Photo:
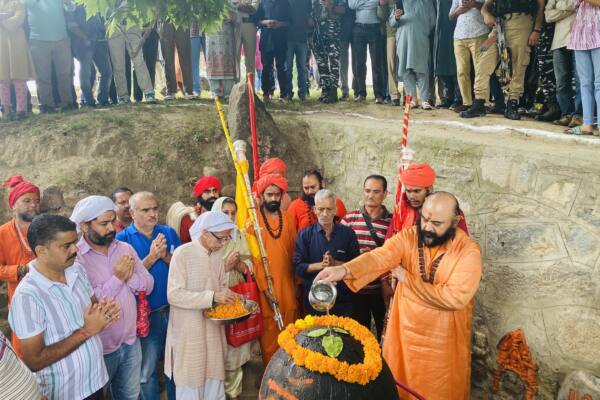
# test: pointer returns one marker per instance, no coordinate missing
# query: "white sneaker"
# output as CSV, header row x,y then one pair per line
x,y
426,106
191,97
169,97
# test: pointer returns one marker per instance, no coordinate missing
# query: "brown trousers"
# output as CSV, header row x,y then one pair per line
x,y
517,27
464,51
170,37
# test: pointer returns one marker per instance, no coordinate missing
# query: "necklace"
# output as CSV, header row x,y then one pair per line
x,y
311,218
25,249
279,231
434,265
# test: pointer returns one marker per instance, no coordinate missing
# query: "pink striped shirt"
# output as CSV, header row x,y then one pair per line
x,y
585,33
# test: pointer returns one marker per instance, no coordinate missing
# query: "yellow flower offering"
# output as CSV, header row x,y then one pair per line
x,y
361,373
228,311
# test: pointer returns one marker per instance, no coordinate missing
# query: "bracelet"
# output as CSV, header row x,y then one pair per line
x,y
537,30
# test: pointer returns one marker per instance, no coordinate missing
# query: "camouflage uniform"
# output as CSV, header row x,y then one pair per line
x,y
545,65
328,29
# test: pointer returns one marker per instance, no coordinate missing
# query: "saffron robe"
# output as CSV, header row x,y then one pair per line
x,y
12,254
280,253
428,339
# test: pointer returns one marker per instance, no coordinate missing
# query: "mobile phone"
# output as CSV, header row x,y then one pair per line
x,y
400,5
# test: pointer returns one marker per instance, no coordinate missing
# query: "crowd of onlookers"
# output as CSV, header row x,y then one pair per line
x,y
441,52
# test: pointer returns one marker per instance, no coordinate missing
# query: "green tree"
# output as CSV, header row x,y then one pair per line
x,y
208,13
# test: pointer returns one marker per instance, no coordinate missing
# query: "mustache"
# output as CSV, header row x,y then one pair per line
x,y
72,257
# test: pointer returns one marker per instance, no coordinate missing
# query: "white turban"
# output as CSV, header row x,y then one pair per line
x,y
211,221
90,208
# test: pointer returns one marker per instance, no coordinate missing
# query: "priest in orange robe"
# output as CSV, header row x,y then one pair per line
x,y
15,253
302,209
428,340
276,166
279,237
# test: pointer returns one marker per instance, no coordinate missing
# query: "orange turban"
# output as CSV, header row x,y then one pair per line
x,y
267,180
272,166
418,175
205,183
18,187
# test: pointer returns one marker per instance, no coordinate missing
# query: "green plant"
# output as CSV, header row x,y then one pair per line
x,y
208,13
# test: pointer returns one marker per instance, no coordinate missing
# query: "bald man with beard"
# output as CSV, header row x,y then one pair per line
x,y
428,340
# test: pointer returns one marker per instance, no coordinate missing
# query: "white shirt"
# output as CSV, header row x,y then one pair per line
x,y
470,24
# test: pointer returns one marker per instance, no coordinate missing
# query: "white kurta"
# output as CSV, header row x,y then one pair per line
x,y
196,347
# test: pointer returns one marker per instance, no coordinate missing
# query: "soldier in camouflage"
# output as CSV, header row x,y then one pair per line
x,y
326,39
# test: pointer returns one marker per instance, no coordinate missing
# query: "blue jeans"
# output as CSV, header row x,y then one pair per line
x,y
588,69
258,80
97,54
198,44
300,50
153,347
124,366
564,71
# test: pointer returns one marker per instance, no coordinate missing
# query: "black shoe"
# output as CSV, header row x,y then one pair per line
x,y
323,95
445,104
396,102
345,96
459,108
512,110
553,113
332,96
498,108
476,110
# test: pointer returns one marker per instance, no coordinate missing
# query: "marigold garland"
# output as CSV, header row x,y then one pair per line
x,y
361,373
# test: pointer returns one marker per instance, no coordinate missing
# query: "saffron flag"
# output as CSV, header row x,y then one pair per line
x,y
243,213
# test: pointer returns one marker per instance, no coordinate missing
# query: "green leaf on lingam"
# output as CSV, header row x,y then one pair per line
x,y
340,330
333,345
317,333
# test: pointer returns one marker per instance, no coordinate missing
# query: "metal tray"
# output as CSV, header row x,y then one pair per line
x,y
250,305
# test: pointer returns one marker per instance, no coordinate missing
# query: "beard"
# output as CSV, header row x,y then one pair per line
x,y
207,203
273,206
28,216
309,199
431,239
100,240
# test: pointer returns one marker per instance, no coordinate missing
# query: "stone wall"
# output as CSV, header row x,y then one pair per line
x,y
533,205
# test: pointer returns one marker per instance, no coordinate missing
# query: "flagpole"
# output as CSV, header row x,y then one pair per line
x,y
250,205
406,156
252,107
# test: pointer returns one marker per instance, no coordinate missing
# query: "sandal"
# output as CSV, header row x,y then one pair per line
x,y
576,130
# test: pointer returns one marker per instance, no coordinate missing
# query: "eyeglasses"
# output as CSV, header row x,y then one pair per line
x,y
223,239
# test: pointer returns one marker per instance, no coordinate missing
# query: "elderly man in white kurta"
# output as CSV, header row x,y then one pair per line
x,y
196,347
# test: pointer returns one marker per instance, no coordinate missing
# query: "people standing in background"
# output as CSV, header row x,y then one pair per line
x,y
366,33
222,59
562,14
16,66
50,47
176,38
444,62
415,24
274,17
585,40
90,48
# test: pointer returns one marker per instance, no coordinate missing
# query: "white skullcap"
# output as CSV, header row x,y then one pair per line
x,y
211,221
90,208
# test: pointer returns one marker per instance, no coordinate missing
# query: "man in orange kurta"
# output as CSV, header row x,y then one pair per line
x,y
15,253
428,340
301,209
279,237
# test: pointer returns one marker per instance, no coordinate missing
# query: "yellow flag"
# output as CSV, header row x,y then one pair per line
x,y
243,214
